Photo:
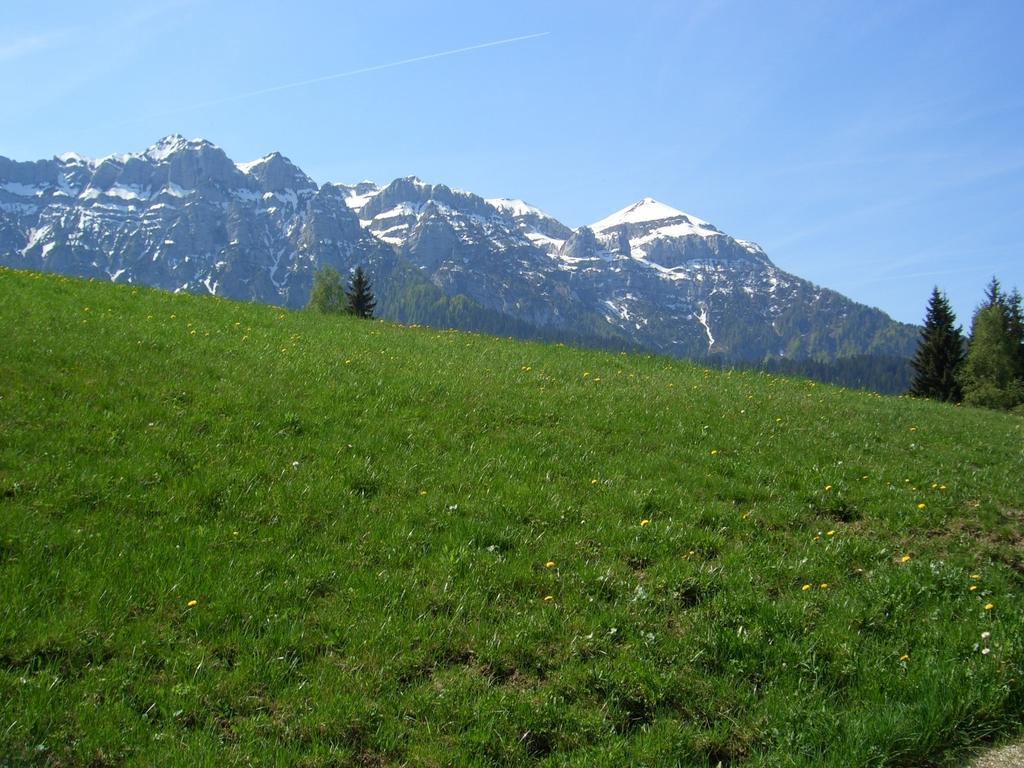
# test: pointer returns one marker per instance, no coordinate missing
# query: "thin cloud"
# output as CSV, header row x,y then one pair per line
x,y
16,49
349,73
983,269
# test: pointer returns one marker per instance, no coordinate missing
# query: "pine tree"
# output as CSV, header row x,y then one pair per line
x,y
360,297
940,353
990,376
327,295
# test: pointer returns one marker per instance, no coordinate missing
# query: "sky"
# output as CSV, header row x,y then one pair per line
x,y
874,148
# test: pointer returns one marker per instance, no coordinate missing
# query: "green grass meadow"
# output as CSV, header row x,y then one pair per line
x,y
234,535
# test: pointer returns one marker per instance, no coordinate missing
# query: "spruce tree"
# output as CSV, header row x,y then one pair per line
x,y
327,295
940,353
360,297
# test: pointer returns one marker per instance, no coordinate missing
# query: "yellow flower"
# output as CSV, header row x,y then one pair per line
x,y
549,564
922,505
823,585
831,533
904,657
975,576
828,487
905,559
805,587
192,604
594,481
989,606
549,598
423,493
644,522
973,587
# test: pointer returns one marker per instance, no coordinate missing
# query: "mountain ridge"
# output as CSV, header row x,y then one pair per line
x,y
183,216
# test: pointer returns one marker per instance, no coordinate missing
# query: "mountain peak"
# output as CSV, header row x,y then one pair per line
x,y
516,207
172,144
646,210
274,172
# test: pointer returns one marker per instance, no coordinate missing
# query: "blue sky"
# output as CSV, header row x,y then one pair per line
x,y
874,148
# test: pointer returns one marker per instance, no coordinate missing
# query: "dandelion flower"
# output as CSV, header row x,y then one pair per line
x,y
904,657
549,564
831,533
192,604
973,587
828,487
989,606
714,451
549,598
975,576
922,505
594,481
823,585
805,587
644,522
905,559
423,493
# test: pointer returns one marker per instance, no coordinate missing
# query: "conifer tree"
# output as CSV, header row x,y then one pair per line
x,y
940,353
360,297
327,295
1015,324
991,375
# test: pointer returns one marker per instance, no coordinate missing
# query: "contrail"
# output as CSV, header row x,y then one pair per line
x,y
350,73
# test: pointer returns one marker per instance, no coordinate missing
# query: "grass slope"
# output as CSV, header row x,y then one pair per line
x,y
232,534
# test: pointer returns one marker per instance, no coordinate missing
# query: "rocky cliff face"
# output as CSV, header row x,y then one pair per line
x,y
184,217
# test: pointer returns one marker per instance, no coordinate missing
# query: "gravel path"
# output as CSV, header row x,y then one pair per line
x,y
1004,757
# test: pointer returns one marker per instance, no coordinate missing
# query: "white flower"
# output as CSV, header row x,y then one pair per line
x,y
986,651
986,635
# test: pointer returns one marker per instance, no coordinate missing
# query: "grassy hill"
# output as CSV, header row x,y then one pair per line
x,y
231,534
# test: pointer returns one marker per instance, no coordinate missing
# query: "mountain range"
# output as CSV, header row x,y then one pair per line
x,y
182,216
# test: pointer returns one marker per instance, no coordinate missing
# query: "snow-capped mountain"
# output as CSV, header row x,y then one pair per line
x,y
183,216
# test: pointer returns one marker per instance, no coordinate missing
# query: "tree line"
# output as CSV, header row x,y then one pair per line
x,y
987,369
